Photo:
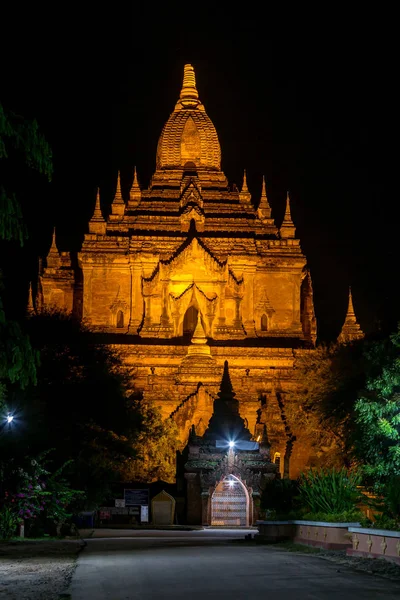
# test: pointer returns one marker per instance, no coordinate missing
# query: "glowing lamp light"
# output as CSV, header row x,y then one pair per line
x,y
231,444
9,418
231,483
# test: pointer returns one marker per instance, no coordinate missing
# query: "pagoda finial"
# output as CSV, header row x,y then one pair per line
x,y
135,194
53,247
351,329
135,179
118,199
189,89
244,185
97,223
189,97
288,229
264,209
118,205
350,308
30,308
53,259
244,194
97,214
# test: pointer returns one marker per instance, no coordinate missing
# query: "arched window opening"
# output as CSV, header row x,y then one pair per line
x,y
120,319
264,323
190,320
277,460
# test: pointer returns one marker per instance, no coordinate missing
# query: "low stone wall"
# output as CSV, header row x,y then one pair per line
x,y
320,534
275,531
375,543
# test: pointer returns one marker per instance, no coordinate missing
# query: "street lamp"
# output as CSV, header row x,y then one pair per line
x,y
231,444
7,421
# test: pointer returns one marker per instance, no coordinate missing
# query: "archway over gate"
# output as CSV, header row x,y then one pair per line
x,y
230,503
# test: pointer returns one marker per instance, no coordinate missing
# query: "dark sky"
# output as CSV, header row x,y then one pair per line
x,y
310,103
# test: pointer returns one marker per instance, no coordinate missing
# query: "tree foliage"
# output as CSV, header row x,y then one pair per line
x,y
79,406
21,145
378,411
322,407
155,443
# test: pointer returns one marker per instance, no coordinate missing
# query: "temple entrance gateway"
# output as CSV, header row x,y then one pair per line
x,y
230,503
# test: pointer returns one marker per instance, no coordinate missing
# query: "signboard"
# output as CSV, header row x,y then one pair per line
x,y
136,497
120,502
144,514
128,510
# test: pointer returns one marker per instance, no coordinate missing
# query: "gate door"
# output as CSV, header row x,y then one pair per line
x,y
229,503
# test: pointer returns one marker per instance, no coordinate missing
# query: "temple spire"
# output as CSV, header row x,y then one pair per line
x,y
264,209
97,224
53,259
135,194
30,308
244,194
189,89
226,422
244,185
118,205
288,229
53,247
351,329
189,96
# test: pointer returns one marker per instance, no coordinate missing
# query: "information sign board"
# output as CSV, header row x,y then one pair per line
x,y
136,497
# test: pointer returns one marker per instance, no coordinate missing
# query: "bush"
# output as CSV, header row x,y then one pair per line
x,y
387,505
348,516
329,491
8,523
278,497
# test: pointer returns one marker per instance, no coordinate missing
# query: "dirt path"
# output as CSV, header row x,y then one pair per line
x,y
36,570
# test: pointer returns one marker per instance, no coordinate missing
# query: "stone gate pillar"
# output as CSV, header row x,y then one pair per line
x,y
193,499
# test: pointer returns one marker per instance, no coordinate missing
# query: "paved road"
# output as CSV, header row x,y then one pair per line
x,y
208,564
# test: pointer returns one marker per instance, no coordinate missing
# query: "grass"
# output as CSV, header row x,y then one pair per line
x,y
28,539
292,547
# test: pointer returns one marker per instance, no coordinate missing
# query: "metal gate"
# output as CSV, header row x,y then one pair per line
x,y
229,503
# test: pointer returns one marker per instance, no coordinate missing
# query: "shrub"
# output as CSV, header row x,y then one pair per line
x,y
278,497
8,523
329,491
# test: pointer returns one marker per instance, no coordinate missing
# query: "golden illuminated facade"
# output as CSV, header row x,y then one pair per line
x,y
187,274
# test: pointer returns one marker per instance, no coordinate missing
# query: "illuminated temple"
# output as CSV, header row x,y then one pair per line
x,y
190,273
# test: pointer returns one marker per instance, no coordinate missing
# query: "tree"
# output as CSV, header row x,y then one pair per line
x,y
377,411
322,407
155,443
80,404
22,146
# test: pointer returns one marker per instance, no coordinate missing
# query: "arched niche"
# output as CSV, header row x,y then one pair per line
x,y
264,322
120,319
190,320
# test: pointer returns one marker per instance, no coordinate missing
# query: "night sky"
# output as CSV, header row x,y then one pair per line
x,y
310,104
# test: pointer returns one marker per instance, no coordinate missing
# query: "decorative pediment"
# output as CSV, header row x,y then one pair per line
x,y
192,212
191,195
194,261
264,304
118,304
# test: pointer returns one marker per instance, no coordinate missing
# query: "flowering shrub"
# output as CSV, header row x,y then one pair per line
x,y
33,492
